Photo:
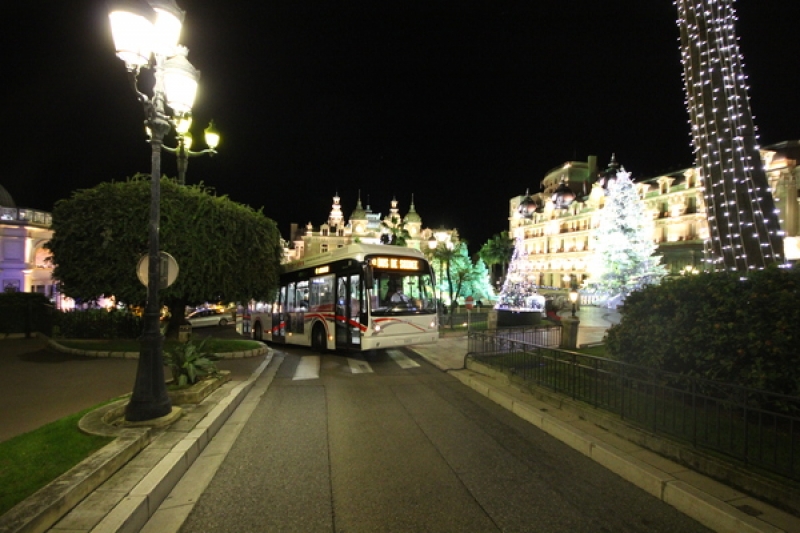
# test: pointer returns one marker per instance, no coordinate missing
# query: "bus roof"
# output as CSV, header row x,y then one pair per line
x,y
355,251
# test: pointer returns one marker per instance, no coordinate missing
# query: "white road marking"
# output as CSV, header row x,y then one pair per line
x,y
308,368
402,359
358,366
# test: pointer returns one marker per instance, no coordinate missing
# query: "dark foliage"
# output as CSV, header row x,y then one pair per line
x,y
25,312
98,324
718,326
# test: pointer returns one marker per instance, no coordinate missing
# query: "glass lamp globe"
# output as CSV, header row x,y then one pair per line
x,y
168,25
212,136
180,82
132,28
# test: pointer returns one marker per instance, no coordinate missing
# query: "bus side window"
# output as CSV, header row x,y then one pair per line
x,y
290,298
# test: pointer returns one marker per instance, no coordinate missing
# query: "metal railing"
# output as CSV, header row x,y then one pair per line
x,y
19,215
502,341
464,320
756,427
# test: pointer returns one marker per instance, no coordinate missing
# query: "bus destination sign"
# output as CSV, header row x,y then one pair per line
x,y
395,263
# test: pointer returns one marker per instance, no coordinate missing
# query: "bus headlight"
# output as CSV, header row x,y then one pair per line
x,y
376,328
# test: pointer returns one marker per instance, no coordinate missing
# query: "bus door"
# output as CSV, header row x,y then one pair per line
x,y
348,310
278,317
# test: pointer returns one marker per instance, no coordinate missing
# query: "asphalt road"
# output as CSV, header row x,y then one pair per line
x,y
407,450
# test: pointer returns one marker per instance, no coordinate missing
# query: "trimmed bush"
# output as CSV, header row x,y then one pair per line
x,y
25,312
717,326
98,324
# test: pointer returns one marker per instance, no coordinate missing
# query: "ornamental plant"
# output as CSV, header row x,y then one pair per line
x,y
190,362
718,326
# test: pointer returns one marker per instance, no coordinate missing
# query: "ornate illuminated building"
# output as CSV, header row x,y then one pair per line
x,y
744,232
364,226
23,259
558,223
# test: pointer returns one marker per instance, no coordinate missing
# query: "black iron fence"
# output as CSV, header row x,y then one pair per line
x,y
504,340
756,427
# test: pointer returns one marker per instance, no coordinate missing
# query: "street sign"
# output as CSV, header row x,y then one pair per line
x,y
470,301
169,270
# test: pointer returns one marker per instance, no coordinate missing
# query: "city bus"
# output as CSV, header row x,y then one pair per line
x,y
358,297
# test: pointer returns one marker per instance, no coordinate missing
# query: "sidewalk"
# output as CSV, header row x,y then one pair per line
x,y
125,498
711,503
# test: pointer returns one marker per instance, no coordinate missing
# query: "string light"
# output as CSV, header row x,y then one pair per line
x,y
716,94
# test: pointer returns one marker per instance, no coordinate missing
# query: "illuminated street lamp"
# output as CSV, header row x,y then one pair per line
x,y
183,151
573,297
146,35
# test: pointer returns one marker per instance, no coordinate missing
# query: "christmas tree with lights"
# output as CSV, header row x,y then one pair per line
x,y
623,259
520,290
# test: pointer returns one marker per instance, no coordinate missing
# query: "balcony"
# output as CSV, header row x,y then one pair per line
x,y
22,216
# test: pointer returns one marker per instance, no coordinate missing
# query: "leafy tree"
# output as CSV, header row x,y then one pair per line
x,y
458,274
623,258
498,250
461,272
225,251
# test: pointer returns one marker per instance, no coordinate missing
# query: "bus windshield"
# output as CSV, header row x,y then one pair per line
x,y
402,293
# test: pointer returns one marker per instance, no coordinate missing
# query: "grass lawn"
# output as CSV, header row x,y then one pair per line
x,y
30,461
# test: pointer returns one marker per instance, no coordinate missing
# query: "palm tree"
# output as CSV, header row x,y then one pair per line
x,y
498,250
397,234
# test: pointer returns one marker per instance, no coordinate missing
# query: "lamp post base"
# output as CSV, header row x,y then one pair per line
x,y
150,399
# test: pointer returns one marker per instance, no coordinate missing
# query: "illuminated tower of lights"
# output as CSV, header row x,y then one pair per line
x,y
744,230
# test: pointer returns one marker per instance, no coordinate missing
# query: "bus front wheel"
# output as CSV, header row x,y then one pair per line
x,y
319,340
258,333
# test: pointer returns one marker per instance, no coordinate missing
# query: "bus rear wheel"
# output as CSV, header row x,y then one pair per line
x,y
258,333
319,340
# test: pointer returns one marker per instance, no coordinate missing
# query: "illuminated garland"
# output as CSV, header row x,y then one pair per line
x,y
744,228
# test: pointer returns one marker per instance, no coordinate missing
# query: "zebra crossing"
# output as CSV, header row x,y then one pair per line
x,y
309,365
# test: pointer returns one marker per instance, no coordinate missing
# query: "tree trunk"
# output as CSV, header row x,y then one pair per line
x,y
177,312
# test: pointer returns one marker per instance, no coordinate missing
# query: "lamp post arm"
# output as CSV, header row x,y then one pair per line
x,y
189,153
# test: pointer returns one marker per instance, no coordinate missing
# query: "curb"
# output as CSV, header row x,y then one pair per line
x,y
132,513
707,509
46,507
262,350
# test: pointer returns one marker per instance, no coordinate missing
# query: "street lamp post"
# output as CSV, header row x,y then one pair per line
x,y
183,151
573,297
146,35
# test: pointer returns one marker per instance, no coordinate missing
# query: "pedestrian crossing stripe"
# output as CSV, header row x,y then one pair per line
x,y
358,366
309,365
402,359
308,368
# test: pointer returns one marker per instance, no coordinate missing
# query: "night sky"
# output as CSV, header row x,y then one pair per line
x,y
463,104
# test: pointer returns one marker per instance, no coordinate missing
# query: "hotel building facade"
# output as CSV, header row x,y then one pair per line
x,y
557,239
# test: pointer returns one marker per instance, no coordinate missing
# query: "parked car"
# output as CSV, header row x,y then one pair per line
x,y
208,317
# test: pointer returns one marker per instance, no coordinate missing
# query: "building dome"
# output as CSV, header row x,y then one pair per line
x,y
5,198
412,215
359,213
